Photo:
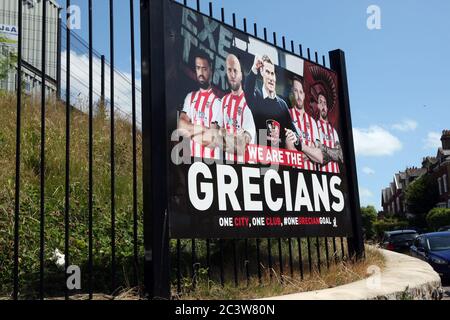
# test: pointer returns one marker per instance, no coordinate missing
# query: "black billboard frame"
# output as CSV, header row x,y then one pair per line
x,y
156,224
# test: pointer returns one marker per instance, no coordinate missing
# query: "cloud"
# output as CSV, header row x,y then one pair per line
x,y
406,125
433,140
365,193
368,171
79,72
375,142
366,197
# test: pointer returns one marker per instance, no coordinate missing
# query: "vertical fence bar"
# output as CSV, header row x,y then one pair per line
x,y
300,257
235,271
318,254
91,156
210,9
198,5
234,20
247,263
308,242
258,260
356,241
194,263
18,146
67,174
300,47
245,24
335,251
178,266
113,164
102,80
222,15
134,134
269,252
42,161
327,253
291,263
156,239
222,276
280,257
58,56
208,258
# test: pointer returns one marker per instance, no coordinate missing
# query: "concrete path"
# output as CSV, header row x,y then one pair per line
x,y
403,277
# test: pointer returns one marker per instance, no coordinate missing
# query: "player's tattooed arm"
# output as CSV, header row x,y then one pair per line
x,y
332,154
187,129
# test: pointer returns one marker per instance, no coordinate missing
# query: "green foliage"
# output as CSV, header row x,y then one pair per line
x,y
422,195
7,63
438,217
369,217
55,200
389,224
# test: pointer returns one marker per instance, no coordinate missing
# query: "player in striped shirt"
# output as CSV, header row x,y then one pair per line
x,y
237,116
330,144
306,127
201,114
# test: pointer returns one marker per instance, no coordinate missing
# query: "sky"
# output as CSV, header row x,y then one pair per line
x,y
398,75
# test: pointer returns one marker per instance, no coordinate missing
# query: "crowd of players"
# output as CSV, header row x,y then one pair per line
x,y
248,115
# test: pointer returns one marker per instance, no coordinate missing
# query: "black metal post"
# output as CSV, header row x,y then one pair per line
x,y
235,271
258,260
112,155
134,135
247,263
300,257
91,158
178,266
67,174
356,241
18,147
156,238
222,276
58,56
42,161
102,82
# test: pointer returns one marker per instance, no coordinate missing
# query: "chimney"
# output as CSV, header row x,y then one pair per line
x,y
446,140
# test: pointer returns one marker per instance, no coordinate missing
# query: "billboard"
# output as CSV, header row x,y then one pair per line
x,y
254,136
9,35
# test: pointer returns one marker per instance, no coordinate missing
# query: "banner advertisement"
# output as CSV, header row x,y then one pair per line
x,y
254,136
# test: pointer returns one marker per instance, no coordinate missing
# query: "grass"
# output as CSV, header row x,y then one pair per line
x,y
54,195
338,274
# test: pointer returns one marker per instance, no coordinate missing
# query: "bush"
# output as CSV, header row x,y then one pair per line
x,y
381,226
438,217
369,217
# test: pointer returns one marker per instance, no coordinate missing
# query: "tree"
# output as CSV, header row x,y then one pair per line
x,y
422,195
8,61
369,217
438,217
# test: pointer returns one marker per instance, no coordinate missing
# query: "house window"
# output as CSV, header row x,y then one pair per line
x,y
440,186
444,178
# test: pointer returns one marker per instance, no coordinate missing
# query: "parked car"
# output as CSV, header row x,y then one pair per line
x,y
444,229
434,248
399,240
